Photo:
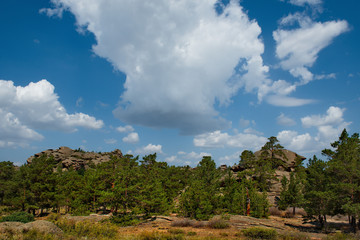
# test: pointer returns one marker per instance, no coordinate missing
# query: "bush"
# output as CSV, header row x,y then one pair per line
x,y
293,236
176,231
125,220
218,224
199,224
191,233
23,217
87,229
260,233
341,236
159,236
274,211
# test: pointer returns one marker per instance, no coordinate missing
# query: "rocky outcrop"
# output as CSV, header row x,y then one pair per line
x,y
39,225
77,159
290,161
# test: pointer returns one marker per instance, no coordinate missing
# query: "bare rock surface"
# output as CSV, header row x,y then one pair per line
x,y
77,159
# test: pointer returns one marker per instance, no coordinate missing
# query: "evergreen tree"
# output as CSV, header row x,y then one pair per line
x,y
7,185
37,182
292,192
318,195
344,168
200,199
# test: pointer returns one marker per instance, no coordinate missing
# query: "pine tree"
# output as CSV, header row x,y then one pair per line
x,y
292,192
344,169
200,199
318,195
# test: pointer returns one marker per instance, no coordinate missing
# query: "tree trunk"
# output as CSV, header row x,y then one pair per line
x,y
294,211
353,224
321,221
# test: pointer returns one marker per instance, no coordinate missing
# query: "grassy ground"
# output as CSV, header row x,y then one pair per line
x,y
168,228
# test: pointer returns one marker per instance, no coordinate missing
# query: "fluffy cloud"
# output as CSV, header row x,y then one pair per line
x,y
14,133
328,128
125,129
329,125
285,121
301,143
149,149
131,138
298,48
333,116
35,106
183,158
218,139
180,57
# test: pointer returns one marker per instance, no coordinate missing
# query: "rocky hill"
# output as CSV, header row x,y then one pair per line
x,y
77,158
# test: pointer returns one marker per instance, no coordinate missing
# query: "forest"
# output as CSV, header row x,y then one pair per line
x,y
129,187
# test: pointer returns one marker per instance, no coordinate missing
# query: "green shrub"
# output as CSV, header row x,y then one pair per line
x,y
341,236
218,224
159,236
293,236
53,217
176,231
191,233
23,217
87,229
125,220
35,234
260,233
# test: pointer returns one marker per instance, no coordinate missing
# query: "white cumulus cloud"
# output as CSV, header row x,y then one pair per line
x,y
149,149
327,130
131,138
218,139
180,58
35,107
333,116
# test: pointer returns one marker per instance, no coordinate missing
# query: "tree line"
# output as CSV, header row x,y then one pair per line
x,y
129,187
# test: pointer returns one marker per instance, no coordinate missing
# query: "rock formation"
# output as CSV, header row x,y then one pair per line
x,y
290,161
76,158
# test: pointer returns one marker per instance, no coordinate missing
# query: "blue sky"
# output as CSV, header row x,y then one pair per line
x,y
180,78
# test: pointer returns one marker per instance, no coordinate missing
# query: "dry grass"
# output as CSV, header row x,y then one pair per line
x,y
274,211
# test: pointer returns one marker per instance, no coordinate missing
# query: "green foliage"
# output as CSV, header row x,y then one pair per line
x,y
319,197
259,204
125,219
260,233
344,171
87,229
292,192
23,217
341,236
176,231
200,198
